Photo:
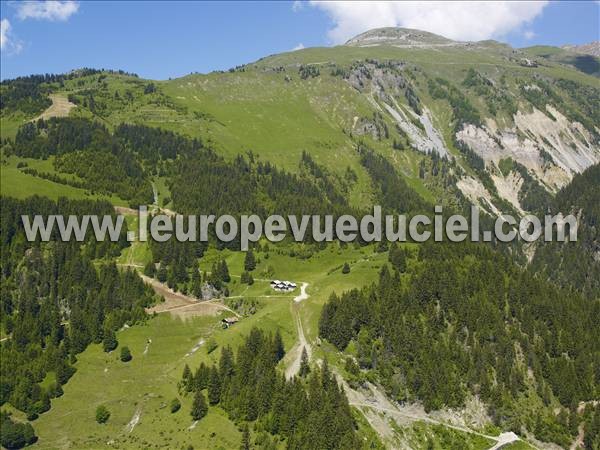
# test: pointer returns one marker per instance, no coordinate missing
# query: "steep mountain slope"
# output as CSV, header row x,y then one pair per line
x,y
461,122
397,117
586,61
404,93
576,265
593,48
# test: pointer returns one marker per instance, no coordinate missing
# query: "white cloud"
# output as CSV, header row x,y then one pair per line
x,y
47,10
298,5
4,30
8,43
300,46
529,34
455,20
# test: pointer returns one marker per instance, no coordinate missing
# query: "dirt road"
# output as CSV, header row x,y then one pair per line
x,y
372,399
295,354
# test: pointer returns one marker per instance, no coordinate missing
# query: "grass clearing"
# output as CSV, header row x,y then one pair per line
x,y
15,183
149,382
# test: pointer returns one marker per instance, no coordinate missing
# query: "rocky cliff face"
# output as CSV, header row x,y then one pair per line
x,y
546,127
593,48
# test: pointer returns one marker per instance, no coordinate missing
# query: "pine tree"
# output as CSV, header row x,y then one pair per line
x,y
150,269
304,365
196,284
186,378
175,405
224,272
214,386
199,406
226,364
180,272
171,278
245,438
125,354
346,268
200,378
162,274
249,261
278,349
109,342
397,258
102,414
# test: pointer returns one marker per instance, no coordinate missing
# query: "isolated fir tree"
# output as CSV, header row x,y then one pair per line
x,y
199,406
304,365
175,405
346,268
102,414
249,261
125,354
201,376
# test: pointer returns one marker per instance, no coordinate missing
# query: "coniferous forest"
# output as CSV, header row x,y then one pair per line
x,y
463,319
56,298
309,344
309,411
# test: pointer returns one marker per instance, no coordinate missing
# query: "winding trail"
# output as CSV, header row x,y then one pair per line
x,y
377,401
296,352
303,295
174,301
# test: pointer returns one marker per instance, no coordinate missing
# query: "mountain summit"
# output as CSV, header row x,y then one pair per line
x,y
404,37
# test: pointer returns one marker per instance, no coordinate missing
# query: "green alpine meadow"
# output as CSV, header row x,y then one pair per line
x,y
130,343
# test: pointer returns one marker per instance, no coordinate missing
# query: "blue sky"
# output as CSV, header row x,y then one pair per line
x,y
170,39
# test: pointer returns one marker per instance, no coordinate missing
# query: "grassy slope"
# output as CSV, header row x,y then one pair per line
x,y
255,110
146,384
15,183
150,380
259,110
586,63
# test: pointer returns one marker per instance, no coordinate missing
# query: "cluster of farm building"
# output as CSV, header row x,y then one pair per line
x,y
283,286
